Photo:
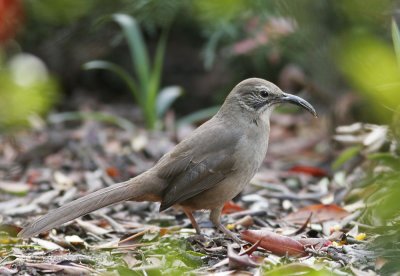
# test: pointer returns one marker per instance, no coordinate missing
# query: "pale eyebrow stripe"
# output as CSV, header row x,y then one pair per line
x,y
261,87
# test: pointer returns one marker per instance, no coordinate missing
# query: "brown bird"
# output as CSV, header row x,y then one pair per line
x,y
203,171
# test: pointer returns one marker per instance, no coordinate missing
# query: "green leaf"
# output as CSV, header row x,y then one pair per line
x,y
296,269
166,98
210,48
386,159
146,84
155,78
346,156
15,188
137,47
396,40
198,116
118,70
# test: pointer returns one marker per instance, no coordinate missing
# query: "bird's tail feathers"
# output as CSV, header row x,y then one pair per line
x,y
128,190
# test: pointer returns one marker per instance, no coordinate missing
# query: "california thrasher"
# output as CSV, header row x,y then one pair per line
x,y
203,171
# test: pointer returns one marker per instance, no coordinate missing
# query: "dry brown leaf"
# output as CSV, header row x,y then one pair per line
x,y
278,244
320,213
239,261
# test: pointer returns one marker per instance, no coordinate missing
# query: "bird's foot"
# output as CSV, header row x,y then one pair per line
x,y
198,238
229,234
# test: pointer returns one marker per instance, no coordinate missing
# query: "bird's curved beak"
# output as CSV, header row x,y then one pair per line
x,y
289,98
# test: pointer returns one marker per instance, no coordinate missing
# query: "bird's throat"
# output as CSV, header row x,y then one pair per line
x,y
266,114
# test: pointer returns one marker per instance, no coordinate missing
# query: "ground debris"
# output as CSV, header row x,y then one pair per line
x,y
293,203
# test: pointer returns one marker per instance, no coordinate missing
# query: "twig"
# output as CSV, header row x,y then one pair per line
x,y
303,227
134,236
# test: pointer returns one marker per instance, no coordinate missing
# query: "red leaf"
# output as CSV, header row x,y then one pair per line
x,y
313,171
33,177
277,244
112,171
320,213
231,207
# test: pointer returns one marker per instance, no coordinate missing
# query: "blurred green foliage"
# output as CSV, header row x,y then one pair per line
x,y
383,213
146,86
61,11
176,257
26,89
216,12
253,38
154,14
296,269
370,65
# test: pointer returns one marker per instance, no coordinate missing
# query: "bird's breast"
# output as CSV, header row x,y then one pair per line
x,y
252,148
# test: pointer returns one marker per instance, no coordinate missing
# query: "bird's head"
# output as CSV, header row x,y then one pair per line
x,y
260,96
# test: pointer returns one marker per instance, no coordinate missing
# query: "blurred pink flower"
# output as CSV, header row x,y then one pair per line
x,y
273,28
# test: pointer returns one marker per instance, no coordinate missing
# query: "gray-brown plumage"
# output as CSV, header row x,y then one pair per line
x,y
205,170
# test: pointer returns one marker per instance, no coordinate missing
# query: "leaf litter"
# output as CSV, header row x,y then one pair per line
x,y
291,217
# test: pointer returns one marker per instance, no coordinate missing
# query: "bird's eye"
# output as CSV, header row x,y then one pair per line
x,y
264,93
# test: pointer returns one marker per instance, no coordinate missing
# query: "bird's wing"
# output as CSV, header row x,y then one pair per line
x,y
198,164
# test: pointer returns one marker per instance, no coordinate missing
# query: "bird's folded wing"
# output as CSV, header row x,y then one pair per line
x,y
192,170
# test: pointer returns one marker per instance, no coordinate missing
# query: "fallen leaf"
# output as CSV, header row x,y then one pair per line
x,y
44,199
75,240
320,213
5,270
313,171
316,243
16,188
294,269
6,239
231,207
10,229
112,171
246,221
277,244
60,269
62,181
21,210
239,261
48,245
92,228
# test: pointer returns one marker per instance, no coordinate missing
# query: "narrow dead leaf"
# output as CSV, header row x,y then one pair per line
x,y
48,245
92,228
60,269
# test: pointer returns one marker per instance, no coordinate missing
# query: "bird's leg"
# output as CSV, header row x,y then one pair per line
x,y
215,217
189,214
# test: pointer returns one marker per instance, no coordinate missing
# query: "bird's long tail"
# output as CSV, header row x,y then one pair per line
x,y
128,190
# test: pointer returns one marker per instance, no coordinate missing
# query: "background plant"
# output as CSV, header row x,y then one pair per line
x,y
145,86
